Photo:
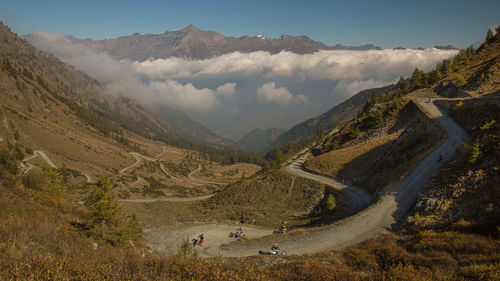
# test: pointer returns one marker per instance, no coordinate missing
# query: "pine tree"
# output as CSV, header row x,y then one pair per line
x,y
446,67
356,133
417,79
53,182
489,35
401,84
330,202
474,153
102,206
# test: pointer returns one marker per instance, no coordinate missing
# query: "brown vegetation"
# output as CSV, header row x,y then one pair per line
x,y
267,199
375,152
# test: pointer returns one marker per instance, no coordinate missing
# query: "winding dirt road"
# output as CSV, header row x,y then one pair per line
x,y
43,155
359,199
368,223
190,175
138,158
171,199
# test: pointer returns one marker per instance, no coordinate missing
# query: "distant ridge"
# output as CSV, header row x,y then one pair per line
x,y
193,43
258,140
340,113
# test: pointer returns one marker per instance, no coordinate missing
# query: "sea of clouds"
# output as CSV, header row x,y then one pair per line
x,y
237,92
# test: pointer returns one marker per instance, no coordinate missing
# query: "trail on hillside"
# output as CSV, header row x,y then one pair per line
x,y
359,198
137,161
44,157
138,158
366,224
170,199
163,150
190,175
87,177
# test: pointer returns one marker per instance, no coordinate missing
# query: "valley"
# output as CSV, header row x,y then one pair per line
x,y
359,225
398,182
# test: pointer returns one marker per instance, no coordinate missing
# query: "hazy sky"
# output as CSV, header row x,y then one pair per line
x,y
386,23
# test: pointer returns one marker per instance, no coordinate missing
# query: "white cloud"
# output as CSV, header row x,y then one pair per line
x,y
245,83
121,76
281,95
228,90
332,65
348,87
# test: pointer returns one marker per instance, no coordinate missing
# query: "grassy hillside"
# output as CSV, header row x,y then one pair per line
x,y
380,146
340,113
42,92
269,199
465,195
265,199
43,239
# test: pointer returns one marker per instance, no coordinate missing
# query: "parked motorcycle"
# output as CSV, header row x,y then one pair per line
x,y
197,241
275,252
283,230
237,235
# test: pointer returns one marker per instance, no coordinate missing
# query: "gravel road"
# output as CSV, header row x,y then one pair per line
x,y
370,222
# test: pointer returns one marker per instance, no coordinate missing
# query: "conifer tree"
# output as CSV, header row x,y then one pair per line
x,y
102,206
489,35
417,79
330,202
474,153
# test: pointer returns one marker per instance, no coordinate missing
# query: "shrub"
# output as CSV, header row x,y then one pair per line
x,y
186,249
331,203
459,80
356,133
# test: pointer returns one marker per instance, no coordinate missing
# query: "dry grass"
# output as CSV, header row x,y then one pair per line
x,y
361,156
230,173
267,199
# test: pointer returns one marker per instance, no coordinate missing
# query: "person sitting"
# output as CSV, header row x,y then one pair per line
x,y
240,231
275,247
201,237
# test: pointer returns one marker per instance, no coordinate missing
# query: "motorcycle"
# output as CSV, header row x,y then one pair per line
x,y
197,241
237,235
274,252
283,230
278,251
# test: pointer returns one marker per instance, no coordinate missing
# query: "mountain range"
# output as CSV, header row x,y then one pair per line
x,y
194,43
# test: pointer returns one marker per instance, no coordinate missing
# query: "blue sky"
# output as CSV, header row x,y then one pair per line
x,y
385,23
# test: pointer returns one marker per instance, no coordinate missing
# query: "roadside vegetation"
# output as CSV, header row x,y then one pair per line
x,y
464,196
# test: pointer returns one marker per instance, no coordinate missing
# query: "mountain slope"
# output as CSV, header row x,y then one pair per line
x,y
191,42
340,113
258,140
49,106
145,123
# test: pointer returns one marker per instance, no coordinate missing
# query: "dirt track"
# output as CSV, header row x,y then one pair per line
x,y
44,156
366,224
190,175
358,197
